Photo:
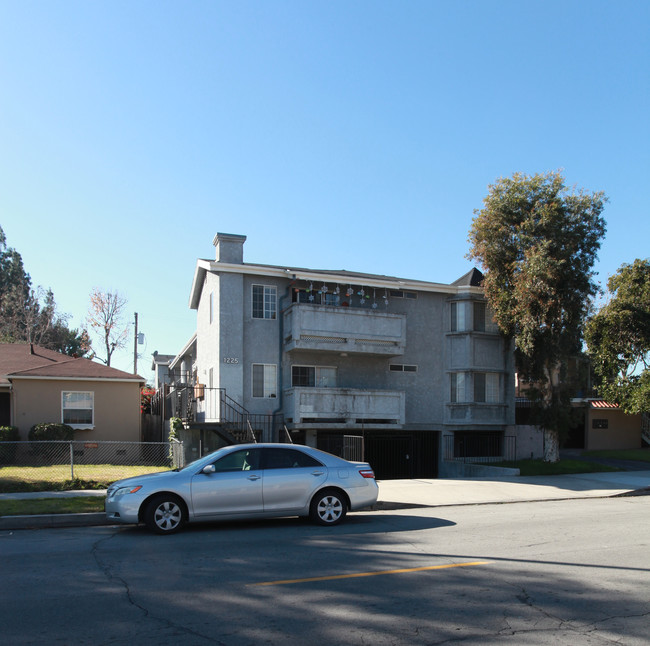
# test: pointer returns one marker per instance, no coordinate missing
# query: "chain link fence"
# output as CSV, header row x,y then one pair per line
x,y
92,462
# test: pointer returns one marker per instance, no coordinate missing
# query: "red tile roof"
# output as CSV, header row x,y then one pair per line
x,y
600,403
26,360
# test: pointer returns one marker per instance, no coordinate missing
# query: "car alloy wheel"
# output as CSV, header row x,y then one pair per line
x,y
328,508
164,515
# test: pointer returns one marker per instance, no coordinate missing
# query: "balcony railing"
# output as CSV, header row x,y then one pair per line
x,y
343,329
476,413
343,407
201,405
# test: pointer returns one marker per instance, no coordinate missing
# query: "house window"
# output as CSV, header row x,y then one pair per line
x,y
211,307
401,367
264,380
313,377
399,293
77,408
458,380
486,387
264,302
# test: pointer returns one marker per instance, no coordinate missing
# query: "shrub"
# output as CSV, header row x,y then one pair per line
x,y
51,431
8,453
9,434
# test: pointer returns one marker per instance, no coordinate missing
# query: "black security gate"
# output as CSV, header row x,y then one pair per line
x,y
392,456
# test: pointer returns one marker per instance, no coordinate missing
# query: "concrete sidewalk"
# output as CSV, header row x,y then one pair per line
x,y
507,489
404,494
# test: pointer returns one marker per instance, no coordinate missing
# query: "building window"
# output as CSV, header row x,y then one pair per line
x,y
486,387
264,302
401,367
77,408
458,393
264,380
313,377
599,423
479,317
458,317
399,293
211,307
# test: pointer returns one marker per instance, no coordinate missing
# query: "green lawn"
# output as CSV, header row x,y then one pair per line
x,y
57,478
563,467
640,455
77,505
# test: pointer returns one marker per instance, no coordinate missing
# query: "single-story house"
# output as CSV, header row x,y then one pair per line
x,y
38,385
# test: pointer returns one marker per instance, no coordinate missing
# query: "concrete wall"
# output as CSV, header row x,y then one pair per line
x,y
530,441
116,407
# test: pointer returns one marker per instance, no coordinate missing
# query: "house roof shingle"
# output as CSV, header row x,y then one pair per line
x,y
28,360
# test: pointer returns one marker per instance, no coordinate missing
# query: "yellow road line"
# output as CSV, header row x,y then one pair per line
x,y
360,574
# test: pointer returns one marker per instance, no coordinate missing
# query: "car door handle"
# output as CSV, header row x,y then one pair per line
x,y
317,473
253,477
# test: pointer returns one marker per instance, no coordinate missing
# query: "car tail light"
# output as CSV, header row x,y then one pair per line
x,y
367,473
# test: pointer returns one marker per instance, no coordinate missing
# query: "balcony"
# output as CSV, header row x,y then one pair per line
x,y
343,329
343,407
476,413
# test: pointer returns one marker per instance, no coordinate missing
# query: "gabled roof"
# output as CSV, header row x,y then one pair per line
x,y
471,279
25,360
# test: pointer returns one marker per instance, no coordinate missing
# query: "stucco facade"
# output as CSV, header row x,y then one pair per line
x,y
342,353
116,409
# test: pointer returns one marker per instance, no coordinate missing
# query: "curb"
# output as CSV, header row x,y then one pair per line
x,y
48,521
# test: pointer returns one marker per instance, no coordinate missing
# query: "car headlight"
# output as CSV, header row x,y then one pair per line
x,y
121,491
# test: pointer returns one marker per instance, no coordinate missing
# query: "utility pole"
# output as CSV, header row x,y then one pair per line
x,y
135,346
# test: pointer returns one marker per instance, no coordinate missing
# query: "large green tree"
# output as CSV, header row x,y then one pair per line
x,y
537,241
618,338
30,315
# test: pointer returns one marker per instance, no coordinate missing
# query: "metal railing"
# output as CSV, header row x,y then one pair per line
x,y
480,448
57,461
199,404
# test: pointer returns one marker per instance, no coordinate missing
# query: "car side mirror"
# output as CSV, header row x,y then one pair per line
x,y
209,468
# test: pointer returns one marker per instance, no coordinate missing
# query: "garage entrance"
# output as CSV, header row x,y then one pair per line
x,y
393,456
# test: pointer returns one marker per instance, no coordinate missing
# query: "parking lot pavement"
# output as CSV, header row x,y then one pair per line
x,y
408,493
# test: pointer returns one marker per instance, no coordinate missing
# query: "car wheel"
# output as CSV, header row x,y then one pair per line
x,y
328,507
164,514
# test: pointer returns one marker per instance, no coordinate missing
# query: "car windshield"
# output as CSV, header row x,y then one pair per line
x,y
206,459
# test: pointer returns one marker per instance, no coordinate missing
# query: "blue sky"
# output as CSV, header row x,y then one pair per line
x,y
337,135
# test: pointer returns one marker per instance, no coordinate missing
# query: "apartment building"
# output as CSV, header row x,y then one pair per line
x,y
411,370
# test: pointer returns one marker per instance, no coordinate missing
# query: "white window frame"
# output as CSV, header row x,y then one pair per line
x,y
88,395
269,381
269,302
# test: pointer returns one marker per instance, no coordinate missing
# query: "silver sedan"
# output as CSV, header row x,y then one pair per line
x,y
245,481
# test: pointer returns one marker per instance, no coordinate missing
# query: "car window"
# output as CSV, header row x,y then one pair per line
x,y
288,459
244,460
